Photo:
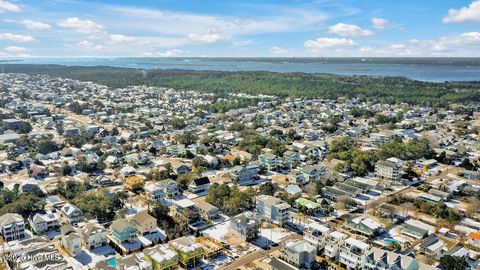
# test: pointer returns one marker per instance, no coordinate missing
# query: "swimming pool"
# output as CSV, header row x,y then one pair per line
x,y
112,261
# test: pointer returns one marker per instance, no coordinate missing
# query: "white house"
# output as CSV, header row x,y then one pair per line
x,y
93,235
474,239
71,241
316,234
44,222
154,192
71,214
299,253
12,227
273,209
388,170
333,243
353,253
200,185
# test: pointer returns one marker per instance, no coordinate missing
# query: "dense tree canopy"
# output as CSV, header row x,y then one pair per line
x,y
362,162
309,85
231,200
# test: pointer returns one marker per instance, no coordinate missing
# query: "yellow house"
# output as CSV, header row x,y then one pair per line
x,y
134,182
189,251
162,257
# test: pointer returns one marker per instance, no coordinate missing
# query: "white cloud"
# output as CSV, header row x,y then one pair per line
x,y
242,43
464,14
81,26
205,38
117,38
90,46
6,6
279,51
379,23
15,49
16,38
33,25
466,44
180,24
347,30
168,53
328,43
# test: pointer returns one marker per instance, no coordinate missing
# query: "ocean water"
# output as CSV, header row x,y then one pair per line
x,y
424,69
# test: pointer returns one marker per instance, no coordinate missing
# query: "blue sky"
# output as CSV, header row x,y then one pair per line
x,y
50,28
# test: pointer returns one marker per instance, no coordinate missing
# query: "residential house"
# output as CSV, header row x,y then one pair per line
x,y
153,192
37,171
381,259
176,150
169,187
43,222
199,186
127,171
71,132
383,137
12,227
315,153
474,239
472,175
294,191
71,214
445,196
365,226
134,182
144,223
189,251
272,209
388,170
417,229
352,253
270,161
181,168
136,261
71,241
187,209
112,162
162,257
54,201
103,180
333,242
245,225
245,174
309,173
208,211
316,234
433,247
93,235
29,186
291,159
123,231
430,198
299,253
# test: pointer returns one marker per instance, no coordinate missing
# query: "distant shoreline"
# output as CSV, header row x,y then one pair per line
x,y
421,69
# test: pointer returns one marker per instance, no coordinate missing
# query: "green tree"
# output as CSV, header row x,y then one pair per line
x,y
453,263
267,189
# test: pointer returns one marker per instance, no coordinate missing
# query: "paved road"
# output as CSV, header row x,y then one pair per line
x,y
257,254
